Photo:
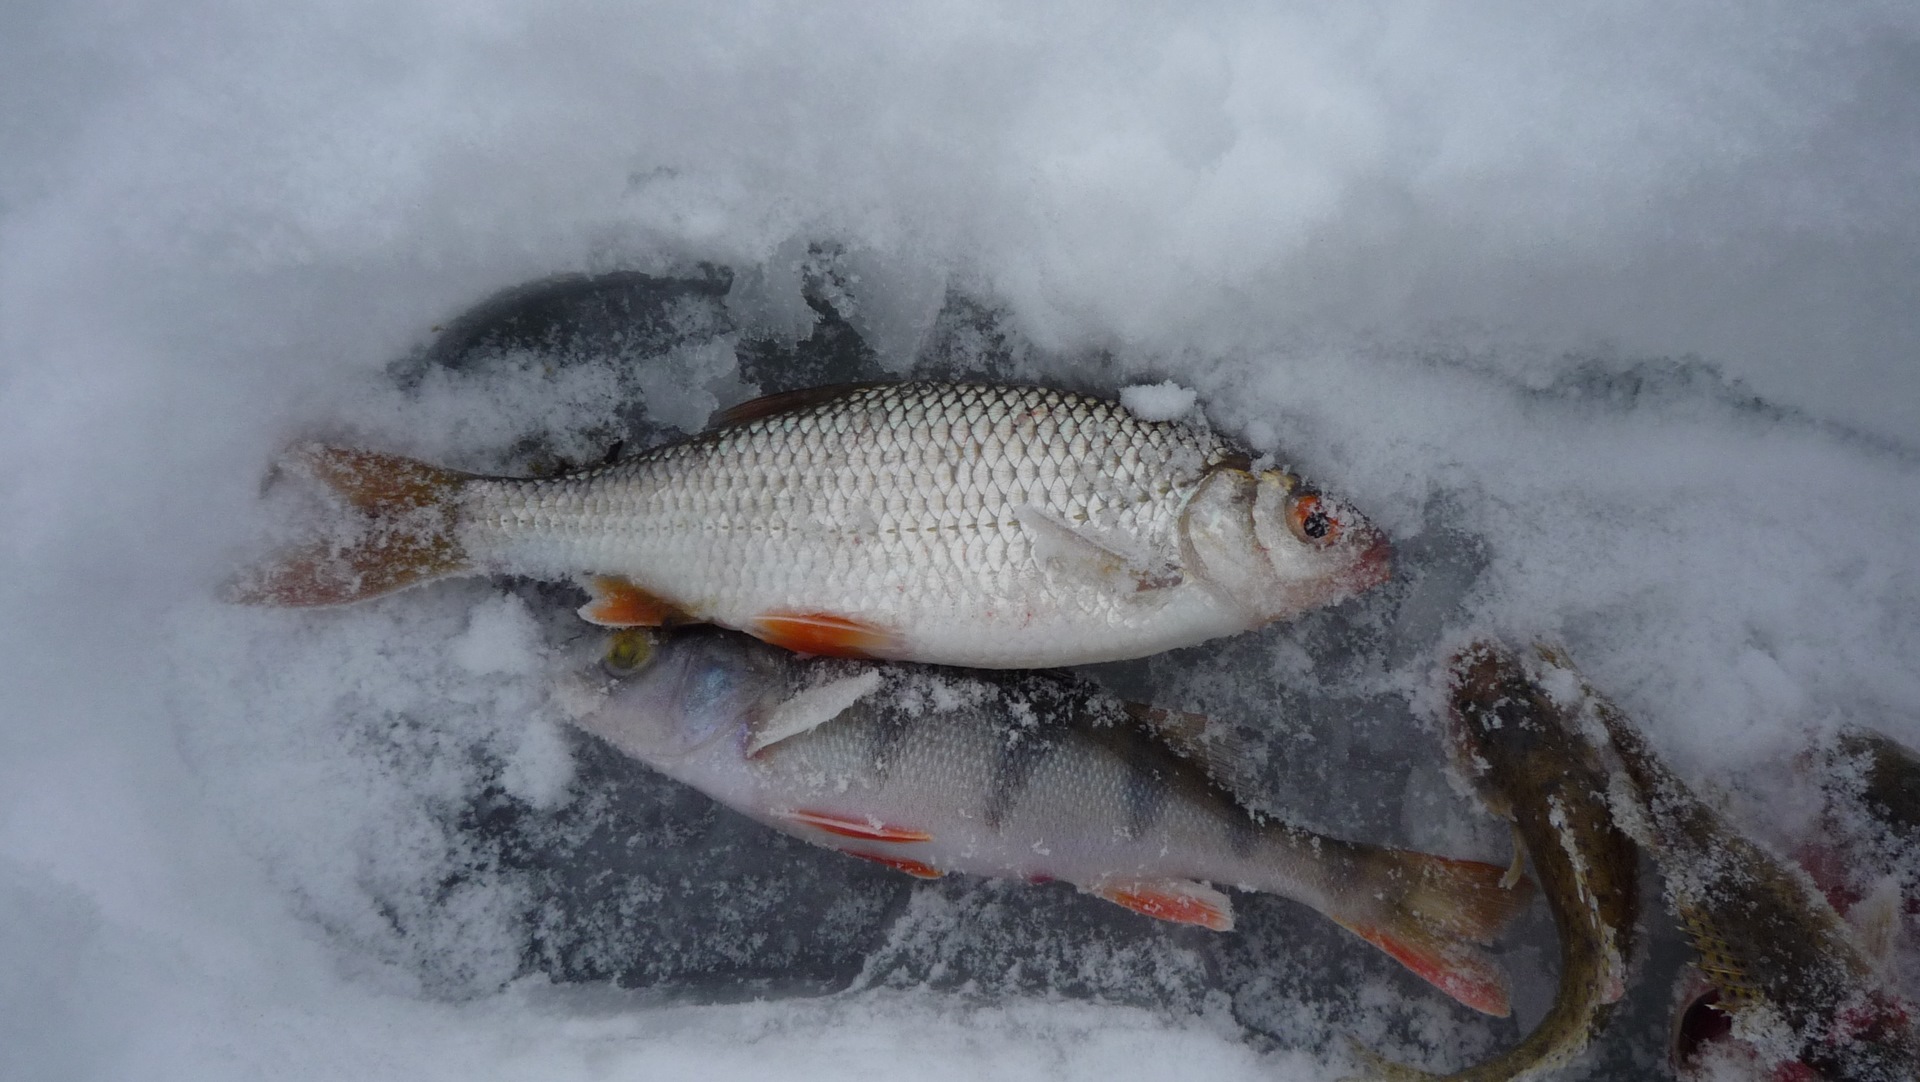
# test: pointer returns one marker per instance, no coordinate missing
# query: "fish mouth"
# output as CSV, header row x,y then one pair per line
x,y
1373,566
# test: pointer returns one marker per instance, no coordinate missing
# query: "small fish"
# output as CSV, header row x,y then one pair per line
x,y
1523,753
1027,777
964,524
1779,961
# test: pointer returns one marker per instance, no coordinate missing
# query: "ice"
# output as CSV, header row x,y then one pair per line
x,y
1605,316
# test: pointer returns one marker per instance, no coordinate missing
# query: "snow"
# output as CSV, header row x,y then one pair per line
x,y
1164,401
1605,316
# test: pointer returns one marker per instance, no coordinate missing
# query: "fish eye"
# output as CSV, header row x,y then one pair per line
x,y
628,651
1312,520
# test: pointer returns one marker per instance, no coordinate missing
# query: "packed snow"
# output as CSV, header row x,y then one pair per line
x,y
1604,316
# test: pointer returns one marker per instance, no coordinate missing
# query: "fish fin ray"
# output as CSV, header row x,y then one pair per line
x,y
404,533
1084,555
783,402
824,634
1876,920
1231,760
1428,911
847,826
1182,901
917,869
1464,972
618,602
811,709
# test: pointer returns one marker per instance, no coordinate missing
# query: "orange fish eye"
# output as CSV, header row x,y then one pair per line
x,y
1311,520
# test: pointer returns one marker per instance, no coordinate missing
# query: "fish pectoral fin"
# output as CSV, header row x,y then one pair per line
x,y
1084,555
1182,901
915,868
847,826
823,633
811,709
617,602
1518,869
1876,921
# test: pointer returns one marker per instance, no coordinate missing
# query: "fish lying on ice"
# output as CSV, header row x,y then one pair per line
x,y
1024,778
1787,971
1862,854
965,524
1524,755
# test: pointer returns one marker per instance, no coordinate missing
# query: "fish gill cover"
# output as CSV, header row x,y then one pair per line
x,y
1604,317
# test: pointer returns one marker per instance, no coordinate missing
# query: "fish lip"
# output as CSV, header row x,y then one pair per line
x,y
1373,566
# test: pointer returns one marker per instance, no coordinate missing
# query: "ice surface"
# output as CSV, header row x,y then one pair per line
x,y
1604,315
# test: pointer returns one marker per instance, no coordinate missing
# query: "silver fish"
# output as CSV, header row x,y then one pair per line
x,y
1024,778
965,524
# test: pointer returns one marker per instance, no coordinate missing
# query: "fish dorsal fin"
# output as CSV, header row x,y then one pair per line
x,y
773,405
1230,760
1084,555
811,709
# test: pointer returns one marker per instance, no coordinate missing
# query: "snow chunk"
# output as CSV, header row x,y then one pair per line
x,y
501,639
1158,401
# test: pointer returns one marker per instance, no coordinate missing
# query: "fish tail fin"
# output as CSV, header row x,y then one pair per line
x,y
402,531
1429,912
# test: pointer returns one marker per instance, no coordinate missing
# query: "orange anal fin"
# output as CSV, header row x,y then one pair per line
x,y
617,602
1461,972
849,827
822,633
1181,901
914,868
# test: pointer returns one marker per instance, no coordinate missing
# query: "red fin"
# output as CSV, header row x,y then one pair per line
x,y
619,603
1458,970
1181,901
848,827
822,633
900,864
405,536
772,405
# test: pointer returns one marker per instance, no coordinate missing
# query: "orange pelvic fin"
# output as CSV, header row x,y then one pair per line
x,y
403,532
913,868
849,827
617,602
1461,971
1182,901
822,633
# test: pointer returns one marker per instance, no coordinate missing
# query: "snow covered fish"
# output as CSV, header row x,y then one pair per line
x,y
1025,777
1530,765
965,524
1786,968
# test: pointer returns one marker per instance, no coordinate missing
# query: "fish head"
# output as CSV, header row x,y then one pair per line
x,y
1279,545
1505,732
684,692
1704,1043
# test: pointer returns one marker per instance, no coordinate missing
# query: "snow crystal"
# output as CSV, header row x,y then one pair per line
x,y
1166,401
